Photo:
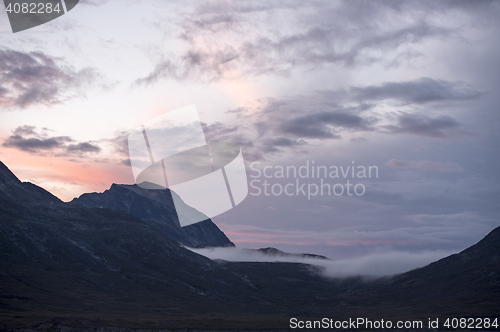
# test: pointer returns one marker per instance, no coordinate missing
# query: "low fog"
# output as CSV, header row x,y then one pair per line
x,y
376,265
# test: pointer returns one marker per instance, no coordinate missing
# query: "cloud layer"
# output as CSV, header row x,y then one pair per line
x,y
291,122
30,78
229,39
376,265
28,139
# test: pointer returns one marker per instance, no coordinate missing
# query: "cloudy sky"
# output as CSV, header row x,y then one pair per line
x,y
412,88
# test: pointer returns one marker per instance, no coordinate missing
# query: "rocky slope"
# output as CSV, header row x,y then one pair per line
x,y
63,259
66,265
156,207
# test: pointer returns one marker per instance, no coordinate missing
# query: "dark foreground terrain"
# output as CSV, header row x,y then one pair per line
x,y
71,265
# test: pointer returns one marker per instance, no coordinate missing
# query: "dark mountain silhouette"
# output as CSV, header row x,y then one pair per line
x,y
273,252
466,284
13,190
468,281
156,207
66,265
59,260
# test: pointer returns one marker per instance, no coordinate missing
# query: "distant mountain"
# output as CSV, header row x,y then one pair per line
x,y
273,252
65,265
156,207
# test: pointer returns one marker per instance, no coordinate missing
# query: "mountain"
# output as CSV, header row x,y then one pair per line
x,y
64,267
12,189
468,281
273,252
466,284
156,207
76,263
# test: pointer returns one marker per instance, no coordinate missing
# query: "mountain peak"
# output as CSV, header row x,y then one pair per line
x,y
270,251
157,208
6,175
13,189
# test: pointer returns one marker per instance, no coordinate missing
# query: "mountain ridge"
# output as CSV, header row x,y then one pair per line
x,y
274,252
157,208
63,265
12,187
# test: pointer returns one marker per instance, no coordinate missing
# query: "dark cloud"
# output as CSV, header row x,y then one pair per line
x,y
277,144
358,139
322,125
322,115
222,39
284,124
421,125
125,162
120,142
163,69
419,91
28,139
312,48
25,130
35,144
217,130
28,78
83,148
220,132
284,141
278,125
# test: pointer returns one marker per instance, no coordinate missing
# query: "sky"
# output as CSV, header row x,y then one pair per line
x,y
410,89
